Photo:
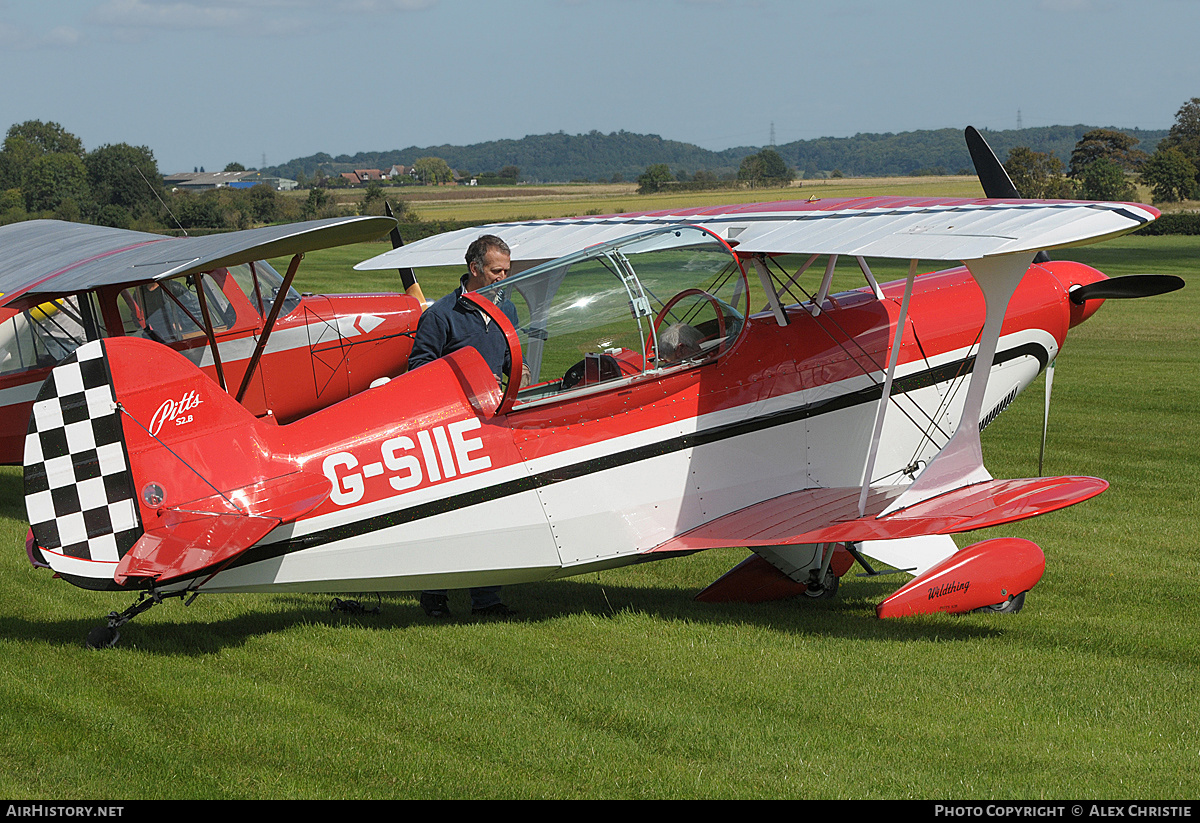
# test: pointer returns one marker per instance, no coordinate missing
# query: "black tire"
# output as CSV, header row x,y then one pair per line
x,y
826,591
103,637
1010,606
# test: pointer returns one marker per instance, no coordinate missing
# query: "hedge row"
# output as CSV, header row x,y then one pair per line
x,y
1180,223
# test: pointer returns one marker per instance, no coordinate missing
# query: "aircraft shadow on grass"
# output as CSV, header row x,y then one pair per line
x,y
195,634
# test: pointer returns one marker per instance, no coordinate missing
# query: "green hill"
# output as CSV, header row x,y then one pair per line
x,y
624,155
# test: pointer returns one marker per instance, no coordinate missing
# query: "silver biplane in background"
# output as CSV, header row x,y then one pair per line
x,y
214,299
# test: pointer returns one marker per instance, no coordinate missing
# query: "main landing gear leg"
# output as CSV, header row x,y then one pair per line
x,y
106,636
822,583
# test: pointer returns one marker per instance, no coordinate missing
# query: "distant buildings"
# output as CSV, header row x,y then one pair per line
x,y
199,181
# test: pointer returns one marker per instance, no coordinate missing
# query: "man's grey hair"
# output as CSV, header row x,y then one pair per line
x,y
679,342
477,251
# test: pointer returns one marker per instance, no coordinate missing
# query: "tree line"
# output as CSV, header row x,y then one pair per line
x,y
621,156
1105,163
45,172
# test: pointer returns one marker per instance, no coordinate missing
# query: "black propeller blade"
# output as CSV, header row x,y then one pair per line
x,y
408,278
988,168
996,183
1131,285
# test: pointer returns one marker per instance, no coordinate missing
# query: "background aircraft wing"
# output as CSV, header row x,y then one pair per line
x,y
906,228
42,258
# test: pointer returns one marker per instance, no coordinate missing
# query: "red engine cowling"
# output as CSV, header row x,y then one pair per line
x,y
988,573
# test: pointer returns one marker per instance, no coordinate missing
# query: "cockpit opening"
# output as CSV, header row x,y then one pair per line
x,y
672,298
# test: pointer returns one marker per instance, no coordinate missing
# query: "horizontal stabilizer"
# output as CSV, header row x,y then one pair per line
x,y
210,532
193,544
831,515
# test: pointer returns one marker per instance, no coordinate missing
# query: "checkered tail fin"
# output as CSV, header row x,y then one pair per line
x,y
140,470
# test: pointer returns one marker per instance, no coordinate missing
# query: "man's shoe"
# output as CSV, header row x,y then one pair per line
x,y
435,605
494,610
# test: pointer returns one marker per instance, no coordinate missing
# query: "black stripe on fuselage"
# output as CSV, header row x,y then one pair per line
x,y
919,380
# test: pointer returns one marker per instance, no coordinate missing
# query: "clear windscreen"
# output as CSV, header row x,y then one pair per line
x,y
656,300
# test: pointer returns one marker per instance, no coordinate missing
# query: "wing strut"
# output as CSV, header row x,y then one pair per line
x,y
960,462
280,297
885,399
866,270
764,277
208,330
826,282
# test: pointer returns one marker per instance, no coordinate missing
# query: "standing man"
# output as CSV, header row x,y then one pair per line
x,y
453,323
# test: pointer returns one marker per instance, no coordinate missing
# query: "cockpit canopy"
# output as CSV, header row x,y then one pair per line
x,y
665,299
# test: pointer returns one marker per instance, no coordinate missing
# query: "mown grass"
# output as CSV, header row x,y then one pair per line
x,y
619,684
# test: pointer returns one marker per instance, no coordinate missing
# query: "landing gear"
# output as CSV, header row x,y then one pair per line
x,y
822,588
103,637
822,583
1010,606
106,636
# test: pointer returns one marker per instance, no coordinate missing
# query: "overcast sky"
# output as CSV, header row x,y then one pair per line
x,y
208,82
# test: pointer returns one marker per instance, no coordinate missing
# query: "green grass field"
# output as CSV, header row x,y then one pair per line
x,y
498,203
620,685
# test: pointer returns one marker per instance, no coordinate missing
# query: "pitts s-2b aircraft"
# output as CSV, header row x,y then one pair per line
x,y
661,416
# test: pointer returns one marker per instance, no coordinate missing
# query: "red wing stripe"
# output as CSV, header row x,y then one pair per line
x,y
8,298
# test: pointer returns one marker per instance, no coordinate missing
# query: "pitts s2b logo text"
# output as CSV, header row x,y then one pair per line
x,y
175,411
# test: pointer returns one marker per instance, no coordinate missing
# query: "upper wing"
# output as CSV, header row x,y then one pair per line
x,y
906,228
42,258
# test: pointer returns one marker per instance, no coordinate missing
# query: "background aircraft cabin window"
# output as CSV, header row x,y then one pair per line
x,y
42,336
260,284
147,311
590,318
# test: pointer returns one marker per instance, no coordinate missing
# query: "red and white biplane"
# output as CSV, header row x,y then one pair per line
x,y
663,416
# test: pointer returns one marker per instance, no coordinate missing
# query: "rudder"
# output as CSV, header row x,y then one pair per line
x,y
79,492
